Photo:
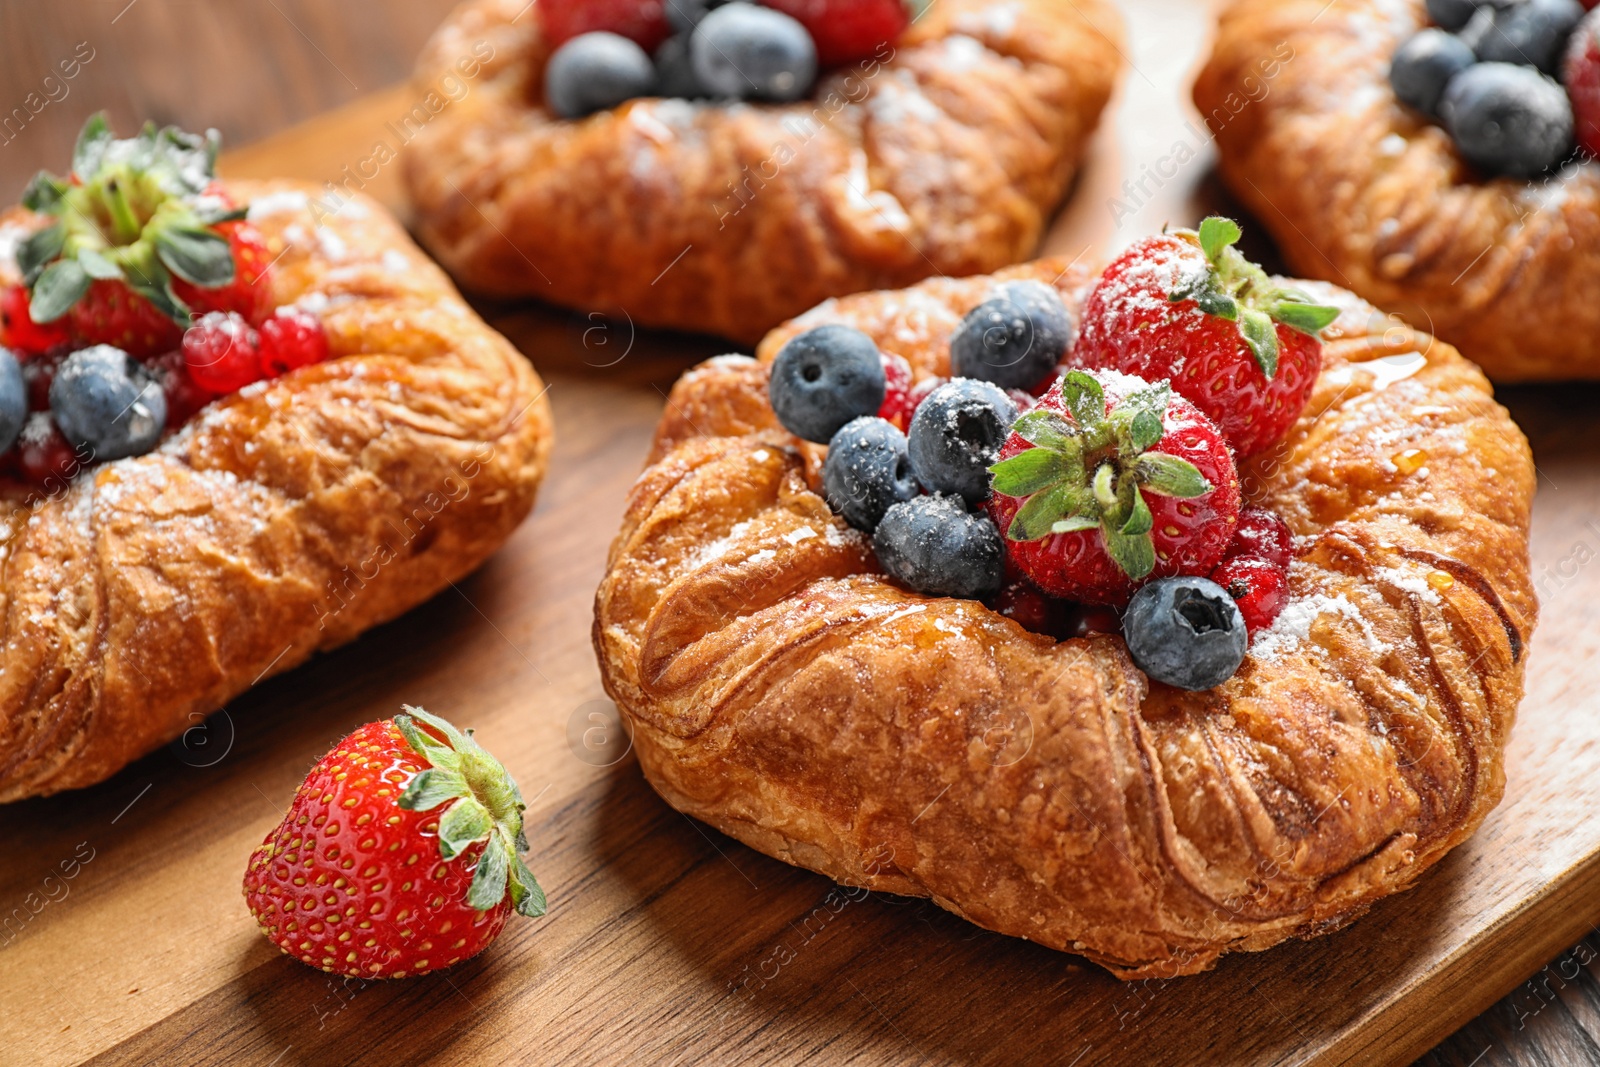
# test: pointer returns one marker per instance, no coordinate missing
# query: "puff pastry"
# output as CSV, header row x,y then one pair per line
x,y
281,521
947,158
1360,191
782,690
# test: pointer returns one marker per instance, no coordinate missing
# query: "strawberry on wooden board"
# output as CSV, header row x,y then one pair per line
x,y
1188,308
1110,482
400,854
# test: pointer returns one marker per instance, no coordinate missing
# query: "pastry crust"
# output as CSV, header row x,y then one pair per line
x,y
948,158
1361,191
281,521
784,692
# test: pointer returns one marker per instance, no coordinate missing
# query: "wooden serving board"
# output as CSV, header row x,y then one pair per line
x,y
128,941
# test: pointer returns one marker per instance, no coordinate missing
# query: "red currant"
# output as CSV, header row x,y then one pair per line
x,y
290,340
1261,535
1260,589
222,352
185,397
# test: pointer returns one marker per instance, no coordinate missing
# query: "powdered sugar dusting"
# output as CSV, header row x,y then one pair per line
x,y
1292,627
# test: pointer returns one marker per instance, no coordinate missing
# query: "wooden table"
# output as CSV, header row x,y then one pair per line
x,y
667,941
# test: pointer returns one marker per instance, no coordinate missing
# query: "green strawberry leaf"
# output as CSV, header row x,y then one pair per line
x,y
488,887
1298,313
1105,490
44,193
40,249
1139,520
1036,519
526,895
1261,335
1217,234
199,257
1084,398
432,787
1028,472
61,285
1074,524
213,216
96,265
1046,429
93,140
1134,553
1170,476
463,823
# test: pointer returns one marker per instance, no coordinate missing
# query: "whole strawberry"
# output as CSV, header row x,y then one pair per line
x,y
399,854
1188,308
133,224
1112,481
249,295
848,30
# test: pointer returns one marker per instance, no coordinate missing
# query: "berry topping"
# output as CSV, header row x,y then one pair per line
x,y
596,72
848,30
1185,632
185,396
1508,119
744,52
956,434
408,835
104,400
1259,588
867,472
19,332
1188,308
1532,32
1452,15
937,547
13,399
222,352
248,294
898,405
1020,601
1109,481
1261,535
684,15
135,218
44,457
38,373
825,377
289,340
675,74
643,22
1424,65
1582,77
1015,339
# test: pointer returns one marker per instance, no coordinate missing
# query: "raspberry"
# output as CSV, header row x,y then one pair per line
x,y
290,340
19,332
221,351
897,406
1260,589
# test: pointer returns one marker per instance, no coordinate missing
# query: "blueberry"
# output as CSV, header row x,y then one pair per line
x,y
867,471
596,72
1424,65
1532,32
1508,119
1452,14
105,400
936,546
824,378
1186,632
13,399
748,52
1014,339
956,436
675,70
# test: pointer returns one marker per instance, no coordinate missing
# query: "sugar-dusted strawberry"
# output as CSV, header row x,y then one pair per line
x,y
1581,73
400,854
19,332
897,406
250,293
222,352
1261,535
847,30
1260,589
1186,307
641,21
1112,481
134,222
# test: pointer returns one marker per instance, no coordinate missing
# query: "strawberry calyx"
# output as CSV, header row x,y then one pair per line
x,y
1235,289
1093,470
138,211
481,803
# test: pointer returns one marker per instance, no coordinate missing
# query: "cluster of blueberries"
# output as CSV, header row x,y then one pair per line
x,y
101,399
1487,71
730,51
920,494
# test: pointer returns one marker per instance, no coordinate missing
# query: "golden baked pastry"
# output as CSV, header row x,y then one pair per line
x,y
281,521
784,692
949,158
1363,192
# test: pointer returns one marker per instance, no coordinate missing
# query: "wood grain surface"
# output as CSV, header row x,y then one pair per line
x,y
128,942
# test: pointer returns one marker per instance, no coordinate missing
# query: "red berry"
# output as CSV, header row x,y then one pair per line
x,y
1143,481
1157,312
185,396
112,314
37,374
289,340
19,332
848,30
1020,601
1582,76
1259,588
1086,619
375,870
250,292
221,351
1262,535
641,21
897,406
45,459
